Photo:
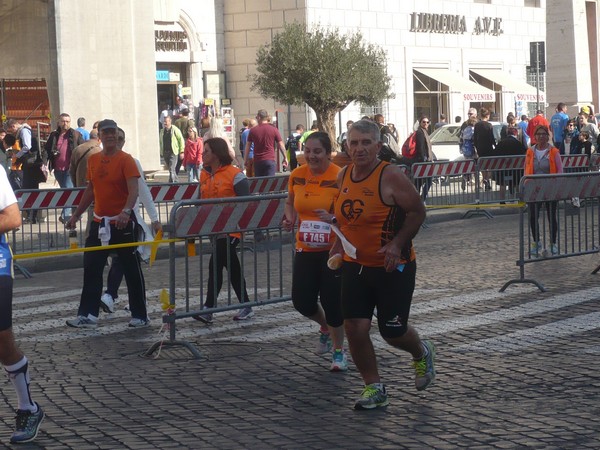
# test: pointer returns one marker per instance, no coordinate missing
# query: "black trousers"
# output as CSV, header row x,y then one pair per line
x,y
93,268
223,254
534,216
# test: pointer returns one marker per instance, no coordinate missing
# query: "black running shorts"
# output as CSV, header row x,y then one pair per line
x,y
6,297
364,288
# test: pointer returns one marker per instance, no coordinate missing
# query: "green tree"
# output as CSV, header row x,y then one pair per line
x,y
322,68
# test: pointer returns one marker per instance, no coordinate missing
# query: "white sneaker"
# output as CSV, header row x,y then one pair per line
x,y
82,322
139,323
554,249
339,362
535,249
107,303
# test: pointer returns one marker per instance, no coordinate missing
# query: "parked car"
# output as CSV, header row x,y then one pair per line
x,y
445,140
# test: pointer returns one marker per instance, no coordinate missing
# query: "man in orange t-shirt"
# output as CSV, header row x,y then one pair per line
x,y
538,120
113,187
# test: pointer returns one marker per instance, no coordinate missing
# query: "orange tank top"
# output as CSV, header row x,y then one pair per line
x,y
366,221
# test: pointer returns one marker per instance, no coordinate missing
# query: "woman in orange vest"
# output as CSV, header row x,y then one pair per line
x,y
543,158
220,179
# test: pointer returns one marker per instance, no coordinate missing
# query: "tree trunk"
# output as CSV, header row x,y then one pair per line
x,y
326,123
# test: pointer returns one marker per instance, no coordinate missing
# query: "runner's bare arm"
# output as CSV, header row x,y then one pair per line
x,y
10,218
397,189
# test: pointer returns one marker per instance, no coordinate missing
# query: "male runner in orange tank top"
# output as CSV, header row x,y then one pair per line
x,y
379,212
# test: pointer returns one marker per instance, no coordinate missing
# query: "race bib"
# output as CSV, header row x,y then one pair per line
x,y
314,233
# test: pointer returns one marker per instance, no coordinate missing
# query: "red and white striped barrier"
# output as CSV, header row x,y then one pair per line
x,y
264,185
49,198
173,192
206,217
575,161
161,193
443,169
502,163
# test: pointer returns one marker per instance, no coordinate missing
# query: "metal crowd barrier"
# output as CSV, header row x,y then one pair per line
x,y
264,267
565,210
446,183
48,233
461,182
503,173
576,163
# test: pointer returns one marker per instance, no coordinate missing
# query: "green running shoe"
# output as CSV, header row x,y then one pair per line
x,y
372,397
425,368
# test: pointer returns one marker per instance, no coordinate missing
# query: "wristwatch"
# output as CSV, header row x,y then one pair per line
x,y
126,210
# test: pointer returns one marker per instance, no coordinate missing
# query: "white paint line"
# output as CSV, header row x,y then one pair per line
x,y
522,339
503,315
304,326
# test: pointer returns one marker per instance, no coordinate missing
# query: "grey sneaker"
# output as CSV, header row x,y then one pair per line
x,y
425,368
372,397
27,426
244,313
82,322
107,303
206,318
535,249
139,323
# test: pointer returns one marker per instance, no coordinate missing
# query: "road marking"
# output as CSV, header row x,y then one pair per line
x,y
538,335
305,326
280,321
527,309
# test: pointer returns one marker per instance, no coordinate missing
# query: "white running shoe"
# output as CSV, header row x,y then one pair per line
x,y
139,323
107,303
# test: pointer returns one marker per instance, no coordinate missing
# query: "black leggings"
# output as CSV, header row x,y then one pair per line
x,y
534,216
224,253
312,281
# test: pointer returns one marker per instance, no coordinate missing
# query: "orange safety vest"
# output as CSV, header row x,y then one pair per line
x,y
531,154
219,185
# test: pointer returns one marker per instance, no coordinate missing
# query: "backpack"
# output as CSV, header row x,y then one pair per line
x,y
409,148
468,148
32,157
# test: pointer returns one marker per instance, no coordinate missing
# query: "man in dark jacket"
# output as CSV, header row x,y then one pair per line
x,y
424,153
59,149
484,141
509,146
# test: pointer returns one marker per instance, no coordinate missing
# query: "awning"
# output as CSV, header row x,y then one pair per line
x,y
471,92
523,91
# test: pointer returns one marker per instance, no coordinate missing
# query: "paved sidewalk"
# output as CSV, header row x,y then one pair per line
x,y
515,370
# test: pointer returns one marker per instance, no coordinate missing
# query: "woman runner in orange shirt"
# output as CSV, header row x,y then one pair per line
x,y
311,192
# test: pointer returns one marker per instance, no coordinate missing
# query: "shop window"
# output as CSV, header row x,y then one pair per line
x,y
533,3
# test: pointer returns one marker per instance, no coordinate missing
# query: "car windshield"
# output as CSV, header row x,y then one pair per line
x,y
445,135
450,134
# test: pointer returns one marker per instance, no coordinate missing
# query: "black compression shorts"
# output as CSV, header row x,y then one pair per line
x,y
364,288
6,297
